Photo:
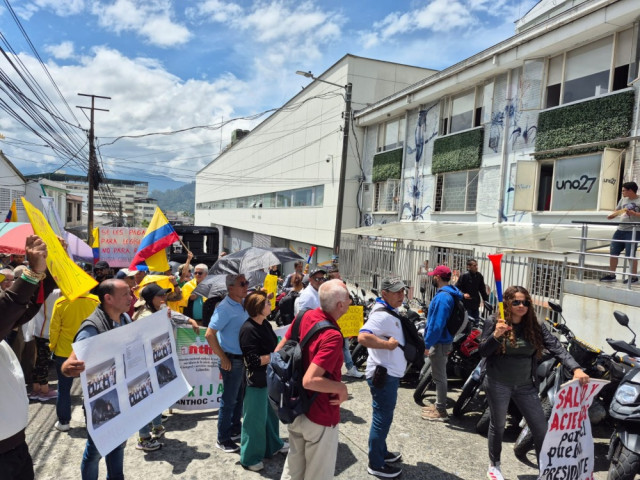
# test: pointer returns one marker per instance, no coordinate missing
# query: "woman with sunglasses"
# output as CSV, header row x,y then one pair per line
x,y
513,347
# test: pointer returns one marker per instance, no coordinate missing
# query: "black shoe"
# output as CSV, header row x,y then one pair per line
x,y
386,471
630,280
393,457
608,278
228,447
236,436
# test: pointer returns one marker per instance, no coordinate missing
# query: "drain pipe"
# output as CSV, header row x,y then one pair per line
x,y
505,152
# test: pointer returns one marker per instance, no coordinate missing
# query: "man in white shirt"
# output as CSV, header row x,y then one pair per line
x,y
382,335
309,299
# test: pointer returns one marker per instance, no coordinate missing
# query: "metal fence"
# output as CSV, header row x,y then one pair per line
x,y
366,260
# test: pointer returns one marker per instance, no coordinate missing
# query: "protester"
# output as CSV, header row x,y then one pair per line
x,y
19,304
260,428
65,321
309,298
16,260
382,335
628,209
24,343
473,289
313,437
192,303
102,271
437,339
296,283
42,320
297,269
185,271
513,347
115,297
223,336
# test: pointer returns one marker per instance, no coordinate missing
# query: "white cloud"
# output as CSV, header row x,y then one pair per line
x,y
216,10
151,19
62,51
62,8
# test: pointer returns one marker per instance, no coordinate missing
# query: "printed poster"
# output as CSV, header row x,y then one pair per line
x,y
131,375
200,367
567,451
118,245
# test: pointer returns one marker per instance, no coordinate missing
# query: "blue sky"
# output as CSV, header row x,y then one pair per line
x,y
174,64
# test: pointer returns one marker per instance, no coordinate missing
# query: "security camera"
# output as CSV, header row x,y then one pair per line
x,y
328,159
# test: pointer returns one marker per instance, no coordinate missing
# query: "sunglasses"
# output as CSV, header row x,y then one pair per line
x,y
242,284
524,303
198,273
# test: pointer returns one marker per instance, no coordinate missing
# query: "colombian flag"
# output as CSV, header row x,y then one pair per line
x,y
12,216
160,235
95,246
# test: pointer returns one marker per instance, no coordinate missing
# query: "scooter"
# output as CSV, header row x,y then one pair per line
x,y
624,447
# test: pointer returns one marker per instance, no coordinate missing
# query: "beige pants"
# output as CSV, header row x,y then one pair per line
x,y
313,450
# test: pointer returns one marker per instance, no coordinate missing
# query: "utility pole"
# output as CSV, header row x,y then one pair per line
x,y
93,163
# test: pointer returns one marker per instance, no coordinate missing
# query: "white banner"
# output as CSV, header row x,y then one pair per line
x,y
567,451
200,367
131,375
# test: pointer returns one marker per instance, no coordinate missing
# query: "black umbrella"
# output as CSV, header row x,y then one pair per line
x,y
214,285
253,258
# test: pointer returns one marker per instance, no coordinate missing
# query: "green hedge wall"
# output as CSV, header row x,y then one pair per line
x,y
387,165
461,151
596,120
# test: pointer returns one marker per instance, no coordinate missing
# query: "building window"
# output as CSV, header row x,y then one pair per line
x,y
463,111
391,135
69,211
386,196
78,212
457,191
589,71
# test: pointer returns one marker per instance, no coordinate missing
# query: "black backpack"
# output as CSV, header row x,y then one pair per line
x,y
458,318
413,347
285,371
286,307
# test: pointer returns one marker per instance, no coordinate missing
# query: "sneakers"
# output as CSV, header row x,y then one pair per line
x,y
50,395
228,447
148,444
385,471
236,436
494,473
284,449
164,418
158,432
433,414
392,457
256,468
62,427
608,278
354,372
34,396
631,280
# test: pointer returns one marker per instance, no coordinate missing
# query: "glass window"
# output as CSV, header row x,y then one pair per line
x,y
462,112
318,196
391,134
268,200
303,197
387,196
283,199
457,191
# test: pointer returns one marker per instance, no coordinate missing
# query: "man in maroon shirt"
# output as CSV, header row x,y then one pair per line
x,y
313,437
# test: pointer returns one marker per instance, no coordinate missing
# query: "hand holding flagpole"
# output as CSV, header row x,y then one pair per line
x,y
496,258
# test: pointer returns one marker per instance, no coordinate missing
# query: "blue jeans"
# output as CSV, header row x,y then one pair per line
x,y
384,403
145,432
230,411
526,399
348,361
91,459
63,401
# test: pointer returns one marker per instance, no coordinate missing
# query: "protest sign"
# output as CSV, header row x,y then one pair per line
x,y
201,368
71,279
352,321
131,375
118,245
567,451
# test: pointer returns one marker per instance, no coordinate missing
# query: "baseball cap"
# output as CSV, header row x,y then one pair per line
x,y
101,265
317,270
441,271
150,291
125,272
392,284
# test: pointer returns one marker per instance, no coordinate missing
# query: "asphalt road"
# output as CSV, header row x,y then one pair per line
x,y
434,451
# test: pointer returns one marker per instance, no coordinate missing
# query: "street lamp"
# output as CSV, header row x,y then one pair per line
x,y
343,162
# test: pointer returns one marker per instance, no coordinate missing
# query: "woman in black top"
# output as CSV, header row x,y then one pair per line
x,y
513,348
260,428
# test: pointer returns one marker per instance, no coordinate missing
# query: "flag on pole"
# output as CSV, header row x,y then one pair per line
x,y
151,252
12,216
313,250
95,246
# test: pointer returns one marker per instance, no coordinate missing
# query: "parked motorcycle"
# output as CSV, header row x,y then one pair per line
x,y
624,447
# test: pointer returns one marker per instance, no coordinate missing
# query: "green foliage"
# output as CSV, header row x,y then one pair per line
x,y
387,165
459,151
182,199
600,119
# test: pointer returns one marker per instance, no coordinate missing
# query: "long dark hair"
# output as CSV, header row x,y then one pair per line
x,y
531,328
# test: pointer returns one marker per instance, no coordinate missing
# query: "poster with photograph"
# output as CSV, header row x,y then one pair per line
x,y
131,375
200,366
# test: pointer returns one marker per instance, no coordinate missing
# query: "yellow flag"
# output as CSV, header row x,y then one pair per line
x,y
71,279
158,262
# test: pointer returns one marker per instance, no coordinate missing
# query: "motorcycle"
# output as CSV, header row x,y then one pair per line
x,y
596,364
624,447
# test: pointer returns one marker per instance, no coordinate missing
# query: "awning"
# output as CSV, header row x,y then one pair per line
x,y
506,237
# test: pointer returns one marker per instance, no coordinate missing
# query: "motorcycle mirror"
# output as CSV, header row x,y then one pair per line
x,y
364,293
356,285
621,318
375,292
555,307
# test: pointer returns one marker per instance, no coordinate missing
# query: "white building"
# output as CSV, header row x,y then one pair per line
x,y
504,150
278,185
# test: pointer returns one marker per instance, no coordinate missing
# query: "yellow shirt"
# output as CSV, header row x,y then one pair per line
x,y
66,319
187,289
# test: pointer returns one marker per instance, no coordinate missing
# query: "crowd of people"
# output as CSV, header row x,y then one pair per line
x,y
240,334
